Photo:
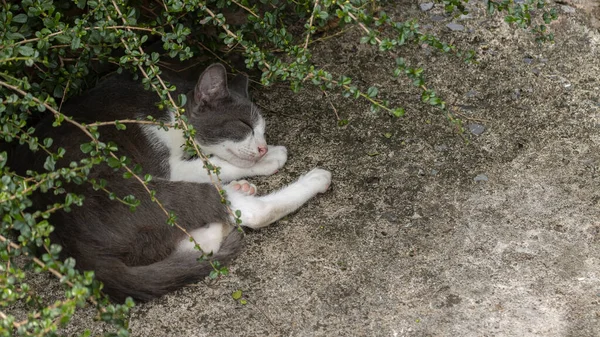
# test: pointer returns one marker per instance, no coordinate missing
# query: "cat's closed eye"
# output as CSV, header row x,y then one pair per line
x,y
246,124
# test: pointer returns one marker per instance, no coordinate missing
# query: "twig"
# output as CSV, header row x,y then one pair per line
x,y
86,28
130,121
332,106
363,26
310,22
246,8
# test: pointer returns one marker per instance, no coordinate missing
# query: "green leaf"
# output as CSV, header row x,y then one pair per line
x,y
86,147
81,3
398,112
120,126
26,51
63,38
75,43
113,162
236,295
20,18
49,163
48,142
3,159
372,92
14,36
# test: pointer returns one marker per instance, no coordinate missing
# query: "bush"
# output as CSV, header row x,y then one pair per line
x,y
52,50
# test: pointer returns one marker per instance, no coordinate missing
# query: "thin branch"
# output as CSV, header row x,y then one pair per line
x,y
246,8
367,30
310,22
130,121
86,28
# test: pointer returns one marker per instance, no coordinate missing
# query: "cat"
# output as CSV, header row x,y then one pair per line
x,y
137,254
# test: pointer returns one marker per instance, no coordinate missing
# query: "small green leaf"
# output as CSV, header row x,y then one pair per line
x,y
236,295
86,147
387,135
398,112
372,92
342,122
26,51
20,18
48,142
120,126
49,164
113,162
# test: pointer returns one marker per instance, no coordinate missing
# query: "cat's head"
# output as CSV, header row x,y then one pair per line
x,y
227,124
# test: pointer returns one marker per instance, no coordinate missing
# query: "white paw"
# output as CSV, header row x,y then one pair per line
x,y
243,187
318,179
271,162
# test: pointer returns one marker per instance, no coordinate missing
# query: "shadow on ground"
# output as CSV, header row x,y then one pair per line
x,y
423,234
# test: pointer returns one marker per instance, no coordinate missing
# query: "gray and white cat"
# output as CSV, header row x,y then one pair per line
x,y
136,253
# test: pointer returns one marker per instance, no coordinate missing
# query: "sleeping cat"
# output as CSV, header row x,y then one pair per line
x,y
136,253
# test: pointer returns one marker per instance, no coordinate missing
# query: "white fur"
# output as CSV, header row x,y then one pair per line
x,y
236,159
262,211
209,238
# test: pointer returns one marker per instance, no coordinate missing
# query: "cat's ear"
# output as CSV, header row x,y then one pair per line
x,y
212,84
239,84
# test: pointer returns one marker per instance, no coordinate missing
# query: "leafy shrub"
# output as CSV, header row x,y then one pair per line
x,y
52,50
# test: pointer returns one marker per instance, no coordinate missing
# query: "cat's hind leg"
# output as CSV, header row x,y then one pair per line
x,y
257,212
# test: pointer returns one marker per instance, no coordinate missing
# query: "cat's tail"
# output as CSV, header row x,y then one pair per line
x,y
177,270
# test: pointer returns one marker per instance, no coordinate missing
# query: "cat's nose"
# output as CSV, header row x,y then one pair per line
x,y
262,150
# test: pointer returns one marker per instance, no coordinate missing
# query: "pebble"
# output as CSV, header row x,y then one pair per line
x,y
476,129
471,93
455,26
481,177
416,216
440,148
426,6
434,172
437,18
528,60
567,9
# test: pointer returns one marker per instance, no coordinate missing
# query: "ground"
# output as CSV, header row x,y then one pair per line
x,y
425,232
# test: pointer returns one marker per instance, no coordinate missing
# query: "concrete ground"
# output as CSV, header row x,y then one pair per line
x,y
422,232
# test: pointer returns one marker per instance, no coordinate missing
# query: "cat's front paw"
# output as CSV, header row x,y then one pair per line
x,y
318,179
243,186
271,162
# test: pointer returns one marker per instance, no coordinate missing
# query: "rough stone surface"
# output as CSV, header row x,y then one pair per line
x,y
455,26
426,6
481,177
390,252
476,129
